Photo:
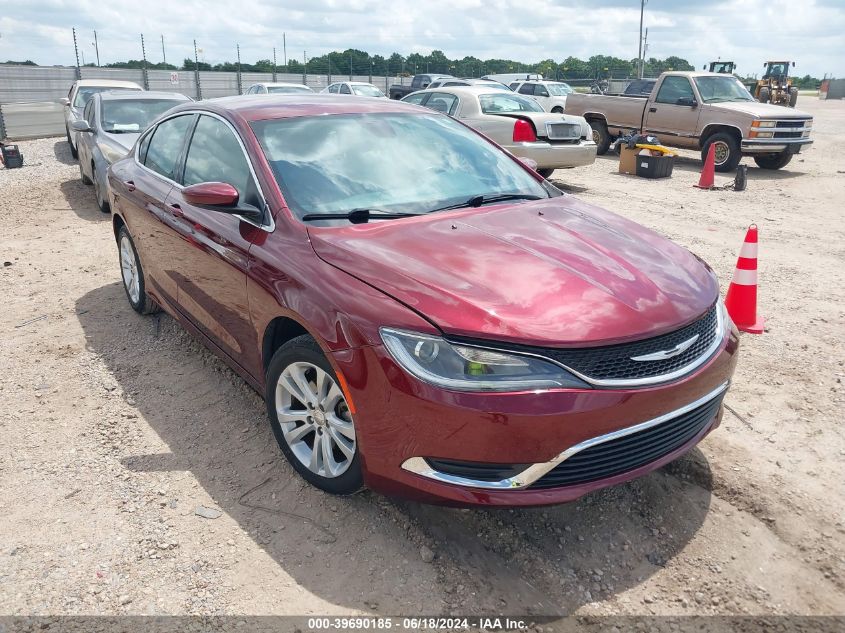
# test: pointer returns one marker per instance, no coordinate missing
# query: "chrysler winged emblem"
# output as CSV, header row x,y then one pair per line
x,y
663,354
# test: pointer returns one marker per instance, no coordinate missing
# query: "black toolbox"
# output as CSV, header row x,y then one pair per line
x,y
12,156
654,166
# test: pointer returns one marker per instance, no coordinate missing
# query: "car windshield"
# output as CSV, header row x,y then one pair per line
x,y
84,93
133,115
559,90
720,89
504,103
391,162
285,90
366,91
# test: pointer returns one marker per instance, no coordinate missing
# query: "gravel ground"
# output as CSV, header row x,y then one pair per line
x,y
138,475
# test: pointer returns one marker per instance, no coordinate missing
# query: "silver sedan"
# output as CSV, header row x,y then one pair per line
x,y
517,123
111,123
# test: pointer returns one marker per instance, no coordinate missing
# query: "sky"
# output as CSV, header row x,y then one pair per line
x,y
746,31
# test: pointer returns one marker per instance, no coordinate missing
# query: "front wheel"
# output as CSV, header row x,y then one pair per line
x,y
545,173
727,153
133,275
601,137
311,418
793,97
765,95
85,179
773,161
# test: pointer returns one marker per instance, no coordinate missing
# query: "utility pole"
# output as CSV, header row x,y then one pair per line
x,y
96,48
163,55
197,72
640,47
240,85
76,52
350,66
285,51
274,63
144,67
304,68
645,52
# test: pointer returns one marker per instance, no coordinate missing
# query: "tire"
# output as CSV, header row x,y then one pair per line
x,y
601,136
73,151
85,179
545,173
765,95
137,294
557,110
307,423
99,194
728,153
793,97
773,161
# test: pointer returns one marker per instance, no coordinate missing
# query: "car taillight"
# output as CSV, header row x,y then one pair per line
x,y
523,132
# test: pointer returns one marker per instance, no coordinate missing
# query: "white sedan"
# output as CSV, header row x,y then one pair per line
x,y
358,88
517,123
551,95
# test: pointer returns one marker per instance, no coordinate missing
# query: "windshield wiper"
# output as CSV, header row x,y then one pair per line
x,y
477,201
357,216
120,131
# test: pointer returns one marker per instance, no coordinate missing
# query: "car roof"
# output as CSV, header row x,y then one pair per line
x,y
145,94
262,107
109,83
468,90
281,84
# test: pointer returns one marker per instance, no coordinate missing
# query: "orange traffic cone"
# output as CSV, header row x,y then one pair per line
x,y
709,169
741,300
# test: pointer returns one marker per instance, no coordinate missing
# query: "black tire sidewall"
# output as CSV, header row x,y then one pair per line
x,y
305,349
777,161
734,156
143,305
545,173
73,151
604,136
104,205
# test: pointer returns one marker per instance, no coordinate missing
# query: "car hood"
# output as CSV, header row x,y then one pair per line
x,y
550,272
762,110
123,141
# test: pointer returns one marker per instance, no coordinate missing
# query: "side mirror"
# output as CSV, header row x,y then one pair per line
x,y
65,101
222,197
529,162
81,126
687,101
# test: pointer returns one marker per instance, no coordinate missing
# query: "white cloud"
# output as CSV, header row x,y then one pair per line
x,y
747,31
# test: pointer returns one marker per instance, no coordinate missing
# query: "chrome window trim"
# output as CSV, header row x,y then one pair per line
x,y
419,466
271,226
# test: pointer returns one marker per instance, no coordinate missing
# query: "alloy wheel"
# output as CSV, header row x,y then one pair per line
x,y
315,419
721,152
129,269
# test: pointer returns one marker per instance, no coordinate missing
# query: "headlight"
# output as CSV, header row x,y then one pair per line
x,y
434,360
764,124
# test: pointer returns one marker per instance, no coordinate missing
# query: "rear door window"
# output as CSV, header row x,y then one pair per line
x,y
526,89
344,89
442,102
165,146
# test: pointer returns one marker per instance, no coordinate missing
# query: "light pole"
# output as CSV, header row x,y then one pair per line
x,y
640,46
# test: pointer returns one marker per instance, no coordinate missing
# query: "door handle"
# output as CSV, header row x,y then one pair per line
x,y
176,209
652,109
130,185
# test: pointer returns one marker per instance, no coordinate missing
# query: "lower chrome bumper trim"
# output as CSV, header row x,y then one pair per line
x,y
419,466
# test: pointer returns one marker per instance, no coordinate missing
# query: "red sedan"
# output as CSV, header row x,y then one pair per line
x,y
424,314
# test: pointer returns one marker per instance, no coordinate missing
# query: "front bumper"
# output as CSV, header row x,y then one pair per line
x,y
556,155
400,420
773,145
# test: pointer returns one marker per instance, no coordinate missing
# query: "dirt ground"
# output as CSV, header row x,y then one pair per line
x,y
116,428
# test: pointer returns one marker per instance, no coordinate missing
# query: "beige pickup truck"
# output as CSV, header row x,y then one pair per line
x,y
695,110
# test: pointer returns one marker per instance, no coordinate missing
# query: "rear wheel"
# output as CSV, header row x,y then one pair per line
x,y
545,173
601,136
311,418
726,151
557,110
102,198
773,161
793,97
133,275
73,151
765,95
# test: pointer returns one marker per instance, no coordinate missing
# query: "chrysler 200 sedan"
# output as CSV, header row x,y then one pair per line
x,y
424,314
